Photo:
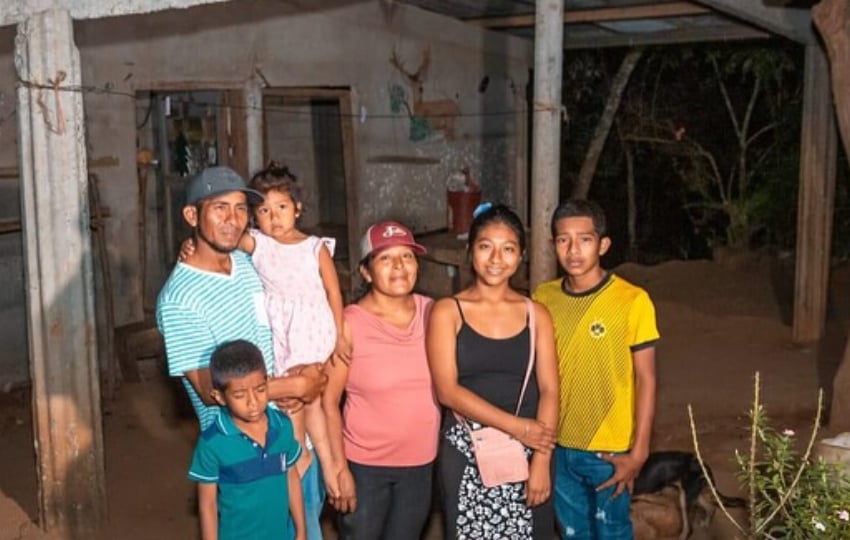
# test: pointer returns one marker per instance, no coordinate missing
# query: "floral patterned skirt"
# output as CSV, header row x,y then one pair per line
x,y
473,510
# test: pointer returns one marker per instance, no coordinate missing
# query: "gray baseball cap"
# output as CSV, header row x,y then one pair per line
x,y
214,181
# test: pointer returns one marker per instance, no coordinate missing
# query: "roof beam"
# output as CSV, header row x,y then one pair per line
x,y
627,13
15,11
794,24
682,35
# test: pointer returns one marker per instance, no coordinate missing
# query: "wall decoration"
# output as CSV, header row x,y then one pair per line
x,y
425,116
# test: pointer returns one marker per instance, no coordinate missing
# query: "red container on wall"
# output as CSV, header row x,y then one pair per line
x,y
460,206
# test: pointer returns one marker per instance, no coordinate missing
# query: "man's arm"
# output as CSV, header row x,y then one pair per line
x,y
188,346
202,383
302,384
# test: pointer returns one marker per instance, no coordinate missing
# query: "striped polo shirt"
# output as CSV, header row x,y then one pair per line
x,y
198,310
253,493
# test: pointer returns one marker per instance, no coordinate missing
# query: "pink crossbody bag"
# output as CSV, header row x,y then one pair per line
x,y
501,458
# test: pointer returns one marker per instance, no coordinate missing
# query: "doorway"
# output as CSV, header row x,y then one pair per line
x,y
185,128
310,131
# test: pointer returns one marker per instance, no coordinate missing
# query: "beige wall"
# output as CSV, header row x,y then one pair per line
x,y
222,45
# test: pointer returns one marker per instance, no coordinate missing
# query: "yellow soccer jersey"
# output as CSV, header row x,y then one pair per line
x,y
595,334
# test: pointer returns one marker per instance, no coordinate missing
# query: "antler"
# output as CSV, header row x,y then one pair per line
x,y
423,67
417,75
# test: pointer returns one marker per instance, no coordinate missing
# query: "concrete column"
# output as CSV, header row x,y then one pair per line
x,y
60,288
816,200
546,156
254,124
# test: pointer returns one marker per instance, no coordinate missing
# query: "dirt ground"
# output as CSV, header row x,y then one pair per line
x,y
720,323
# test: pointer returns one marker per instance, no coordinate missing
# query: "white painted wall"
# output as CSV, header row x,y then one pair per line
x,y
221,45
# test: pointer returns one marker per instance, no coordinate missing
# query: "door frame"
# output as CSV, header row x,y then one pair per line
x,y
232,131
343,96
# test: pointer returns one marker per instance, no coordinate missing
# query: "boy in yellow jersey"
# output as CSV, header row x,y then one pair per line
x,y
605,335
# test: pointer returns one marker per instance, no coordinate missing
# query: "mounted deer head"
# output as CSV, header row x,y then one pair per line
x,y
439,114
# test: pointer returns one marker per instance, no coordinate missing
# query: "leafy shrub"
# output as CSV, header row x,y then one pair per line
x,y
791,495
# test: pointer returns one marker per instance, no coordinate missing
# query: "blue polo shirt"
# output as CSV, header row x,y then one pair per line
x,y
253,493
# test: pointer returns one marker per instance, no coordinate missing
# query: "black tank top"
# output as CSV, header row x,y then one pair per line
x,y
495,368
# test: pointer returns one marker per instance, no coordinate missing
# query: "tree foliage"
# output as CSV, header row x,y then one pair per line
x,y
714,131
727,142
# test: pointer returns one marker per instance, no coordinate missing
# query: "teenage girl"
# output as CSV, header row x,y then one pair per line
x,y
478,350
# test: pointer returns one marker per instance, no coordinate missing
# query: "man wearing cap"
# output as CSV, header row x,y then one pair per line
x,y
215,296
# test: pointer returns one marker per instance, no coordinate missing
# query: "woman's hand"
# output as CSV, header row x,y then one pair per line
x,y
187,249
535,435
331,483
346,501
538,488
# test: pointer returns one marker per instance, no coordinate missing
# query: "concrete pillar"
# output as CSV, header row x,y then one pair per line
x,y
546,156
253,93
59,281
816,200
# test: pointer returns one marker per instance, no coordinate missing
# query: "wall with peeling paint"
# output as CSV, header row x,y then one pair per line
x,y
347,45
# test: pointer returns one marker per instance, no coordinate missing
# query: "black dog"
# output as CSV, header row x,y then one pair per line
x,y
682,469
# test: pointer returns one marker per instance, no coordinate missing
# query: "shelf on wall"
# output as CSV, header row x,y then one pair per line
x,y
405,160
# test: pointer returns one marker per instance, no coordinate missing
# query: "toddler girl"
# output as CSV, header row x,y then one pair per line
x,y
303,297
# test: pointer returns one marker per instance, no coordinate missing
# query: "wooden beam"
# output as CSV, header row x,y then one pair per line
x,y
15,11
790,3
626,13
818,149
681,35
794,24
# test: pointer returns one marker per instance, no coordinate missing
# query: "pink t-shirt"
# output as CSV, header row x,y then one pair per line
x,y
391,417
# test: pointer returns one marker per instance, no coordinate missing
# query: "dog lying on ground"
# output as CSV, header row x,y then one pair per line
x,y
671,496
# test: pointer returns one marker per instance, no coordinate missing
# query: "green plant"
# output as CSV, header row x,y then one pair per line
x,y
790,494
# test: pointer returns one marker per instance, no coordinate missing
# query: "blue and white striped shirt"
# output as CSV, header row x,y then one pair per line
x,y
199,310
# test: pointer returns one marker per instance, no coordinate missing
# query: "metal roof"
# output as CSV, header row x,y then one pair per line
x,y
620,23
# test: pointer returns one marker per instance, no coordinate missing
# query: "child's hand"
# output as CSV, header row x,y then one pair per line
x,y
187,249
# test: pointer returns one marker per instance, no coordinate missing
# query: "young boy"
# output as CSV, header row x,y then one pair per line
x,y
243,461
605,335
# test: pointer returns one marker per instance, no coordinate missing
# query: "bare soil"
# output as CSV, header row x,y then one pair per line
x,y
721,322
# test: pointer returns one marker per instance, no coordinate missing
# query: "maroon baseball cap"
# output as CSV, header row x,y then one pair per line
x,y
388,234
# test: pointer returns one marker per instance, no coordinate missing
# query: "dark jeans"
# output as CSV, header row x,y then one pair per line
x,y
393,503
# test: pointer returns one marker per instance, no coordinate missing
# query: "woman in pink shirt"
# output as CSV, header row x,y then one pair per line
x,y
385,437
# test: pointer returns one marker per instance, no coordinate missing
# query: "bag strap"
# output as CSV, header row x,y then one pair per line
x,y
531,331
